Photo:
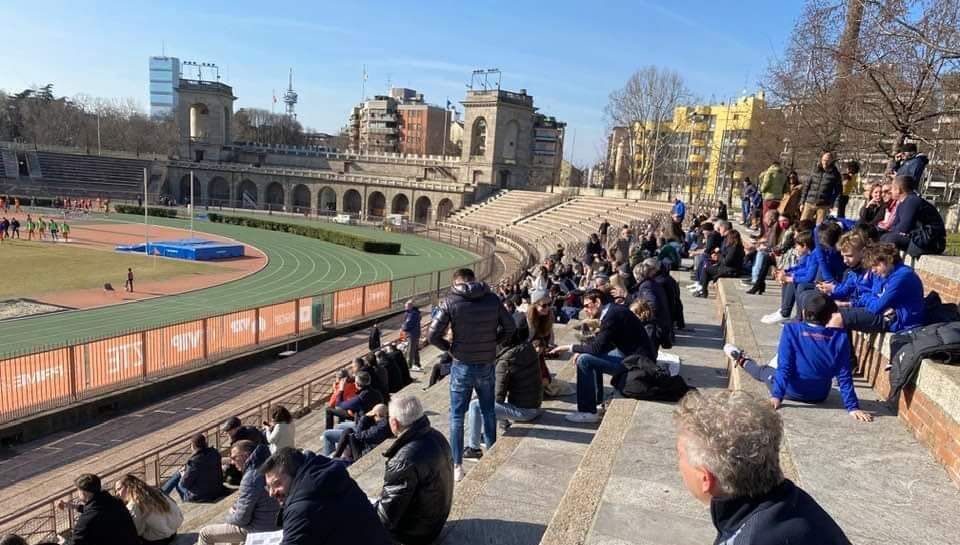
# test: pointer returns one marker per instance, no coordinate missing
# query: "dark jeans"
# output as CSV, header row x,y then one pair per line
x,y
860,319
436,374
791,295
842,201
413,352
173,483
590,371
901,241
712,273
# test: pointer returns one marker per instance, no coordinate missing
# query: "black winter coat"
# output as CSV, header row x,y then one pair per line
x,y
325,505
786,514
519,381
653,293
620,329
203,479
478,320
417,485
672,289
823,186
105,519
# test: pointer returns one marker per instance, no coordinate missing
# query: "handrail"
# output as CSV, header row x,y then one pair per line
x,y
41,520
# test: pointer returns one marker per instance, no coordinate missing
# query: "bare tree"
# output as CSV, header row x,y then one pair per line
x,y
258,125
644,108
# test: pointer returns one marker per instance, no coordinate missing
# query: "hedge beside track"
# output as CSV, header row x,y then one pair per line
x,y
138,211
335,237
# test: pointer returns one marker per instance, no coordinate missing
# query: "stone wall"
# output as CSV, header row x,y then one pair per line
x,y
931,407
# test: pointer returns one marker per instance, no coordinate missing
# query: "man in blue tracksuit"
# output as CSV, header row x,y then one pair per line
x,y
895,302
810,355
411,328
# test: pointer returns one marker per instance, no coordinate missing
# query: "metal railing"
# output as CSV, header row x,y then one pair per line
x,y
42,520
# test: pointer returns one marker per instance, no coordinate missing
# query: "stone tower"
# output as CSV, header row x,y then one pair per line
x,y
204,116
497,138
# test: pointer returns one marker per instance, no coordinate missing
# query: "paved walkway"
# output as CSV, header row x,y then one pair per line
x,y
644,500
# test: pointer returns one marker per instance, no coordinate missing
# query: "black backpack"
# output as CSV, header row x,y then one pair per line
x,y
929,237
644,379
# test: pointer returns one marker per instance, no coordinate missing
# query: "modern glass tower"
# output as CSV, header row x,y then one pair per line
x,y
164,78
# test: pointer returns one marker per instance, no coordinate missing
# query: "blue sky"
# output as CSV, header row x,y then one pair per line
x,y
568,54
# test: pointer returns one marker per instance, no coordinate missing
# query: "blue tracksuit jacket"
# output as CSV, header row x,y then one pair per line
x,y
808,358
901,290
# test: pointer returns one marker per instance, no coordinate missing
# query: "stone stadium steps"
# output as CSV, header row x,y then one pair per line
x,y
875,479
501,209
91,174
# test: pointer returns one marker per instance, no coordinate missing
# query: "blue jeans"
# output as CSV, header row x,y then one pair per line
x,y
745,209
464,379
173,483
758,261
590,371
760,372
504,411
332,436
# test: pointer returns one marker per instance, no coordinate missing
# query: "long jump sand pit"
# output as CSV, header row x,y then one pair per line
x,y
72,274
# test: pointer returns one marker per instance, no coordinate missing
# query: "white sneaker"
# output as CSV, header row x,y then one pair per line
x,y
583,418
774,318
732,352
458,473
695,286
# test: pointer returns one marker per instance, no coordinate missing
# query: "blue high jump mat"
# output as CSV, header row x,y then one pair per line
x,y
194,249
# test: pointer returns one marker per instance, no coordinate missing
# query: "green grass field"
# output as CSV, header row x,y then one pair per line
x,y
298,266
40,268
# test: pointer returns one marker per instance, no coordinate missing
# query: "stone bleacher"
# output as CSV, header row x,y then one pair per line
x,y
90,175
501,209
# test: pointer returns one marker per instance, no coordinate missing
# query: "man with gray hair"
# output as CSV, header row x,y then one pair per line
x,y
418,481
728,443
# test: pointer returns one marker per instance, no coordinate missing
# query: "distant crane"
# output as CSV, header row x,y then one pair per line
x,y
290,98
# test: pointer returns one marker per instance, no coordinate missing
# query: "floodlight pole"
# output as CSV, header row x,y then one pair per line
x,y
146,224
190,206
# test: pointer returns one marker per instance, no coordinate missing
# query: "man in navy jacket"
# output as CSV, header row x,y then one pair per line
x,y
728,444
411,328
902,190
621,334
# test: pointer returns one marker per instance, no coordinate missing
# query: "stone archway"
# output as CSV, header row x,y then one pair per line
x,y
352,202
376,204
274,196
400,204
327,201
199,121
444,209
184,195
218,192
247,194
165,191
301,198
421,210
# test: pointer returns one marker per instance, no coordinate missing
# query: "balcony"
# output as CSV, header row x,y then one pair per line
x,y
695,158
701,110
695,173
701,126
698,143
743,142
737,175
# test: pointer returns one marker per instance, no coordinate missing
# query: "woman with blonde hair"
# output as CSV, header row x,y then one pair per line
x,y
540,320
156,516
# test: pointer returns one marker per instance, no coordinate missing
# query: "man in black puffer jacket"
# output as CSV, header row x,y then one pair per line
x,y
418,480
478,322
320,502
103,518
821,189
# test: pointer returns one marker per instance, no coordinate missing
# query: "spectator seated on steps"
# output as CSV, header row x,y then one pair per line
x,y
372,429
441,368
518,390
253,510
102,517
418,481
621,334
280,430
236,431
809,357
200,480
366,399
320,502
344,389
895,302
728,445
155,515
